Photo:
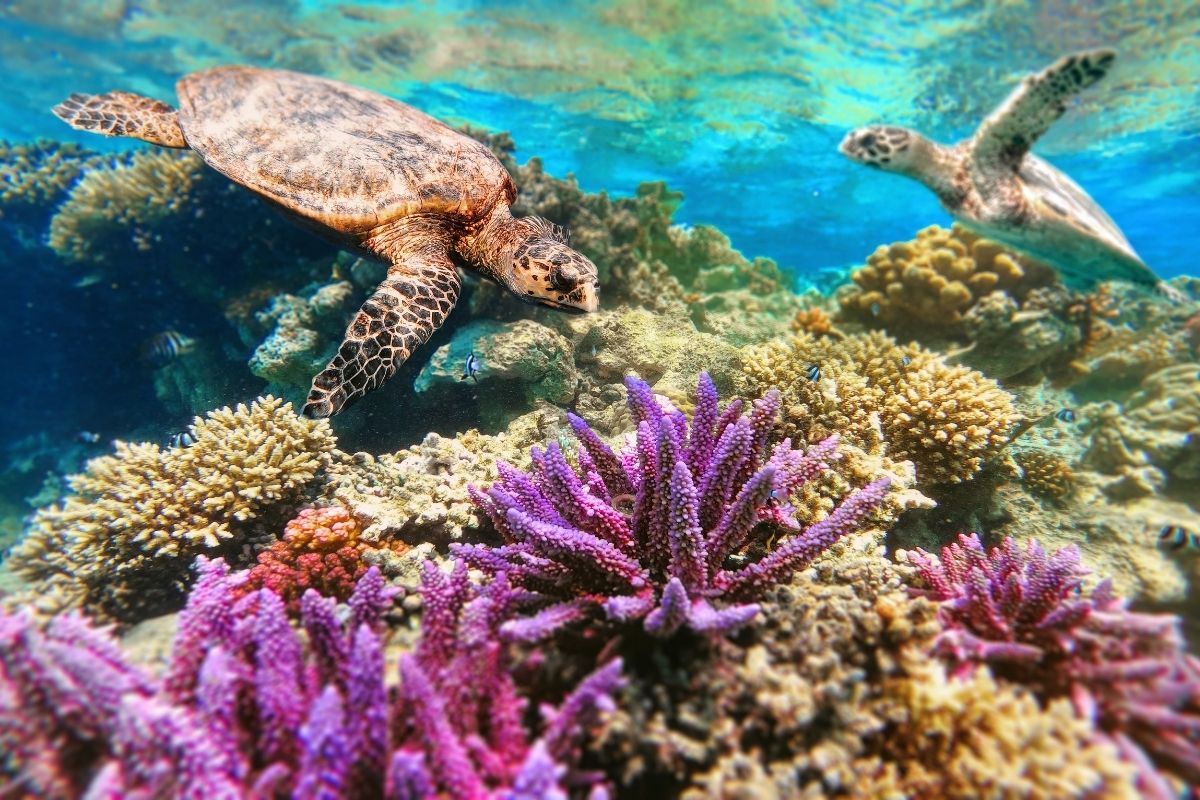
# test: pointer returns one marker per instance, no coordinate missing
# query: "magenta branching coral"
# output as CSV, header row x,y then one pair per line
x,y
250,708
1023,613
662,529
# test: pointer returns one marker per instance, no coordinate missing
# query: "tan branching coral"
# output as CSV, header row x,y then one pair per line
x,y
37,174
128,196
135,519
947,419
965,739
1045,474
928,283
813,320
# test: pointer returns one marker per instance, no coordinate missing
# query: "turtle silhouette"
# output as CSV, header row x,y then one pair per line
x,y
378,177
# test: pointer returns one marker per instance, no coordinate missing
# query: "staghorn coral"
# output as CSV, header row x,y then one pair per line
x,y
128,197
1045,474
652,534
121,543
926,285
970,738
1023,613
904,401
320,549
248,707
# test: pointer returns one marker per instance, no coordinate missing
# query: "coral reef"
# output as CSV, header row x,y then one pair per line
x,y
649,534
1045,474
975,737
903,400
121,543
928,284
35,176
1023,612
320,549
248,707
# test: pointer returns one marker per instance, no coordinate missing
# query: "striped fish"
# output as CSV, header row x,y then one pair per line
x,y
1177,537
813,373
181,439
163,348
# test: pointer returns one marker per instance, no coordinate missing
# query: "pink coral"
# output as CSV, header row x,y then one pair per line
x,y
320,549
1024,613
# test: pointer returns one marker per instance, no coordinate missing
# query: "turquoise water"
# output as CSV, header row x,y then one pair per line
x,y
1040,411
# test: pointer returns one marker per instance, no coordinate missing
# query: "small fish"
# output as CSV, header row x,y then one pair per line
x,y
813,373
905,361
876,309
163,348
1177,537
470,368
87,437
181,439
1065,415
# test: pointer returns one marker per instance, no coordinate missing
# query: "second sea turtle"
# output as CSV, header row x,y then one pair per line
x,y
992,183
379,177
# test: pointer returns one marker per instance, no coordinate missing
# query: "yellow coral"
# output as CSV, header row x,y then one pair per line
x,y
930,282
36,174
946,419
1046,474
147,511
976,738
129,195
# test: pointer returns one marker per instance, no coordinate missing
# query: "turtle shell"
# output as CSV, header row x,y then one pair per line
x,y
339,156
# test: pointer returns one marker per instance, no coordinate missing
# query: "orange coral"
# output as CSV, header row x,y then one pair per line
x,y
320,549
814,321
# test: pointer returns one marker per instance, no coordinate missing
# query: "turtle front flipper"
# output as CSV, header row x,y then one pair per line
x,y
409,305
123,114
1006,135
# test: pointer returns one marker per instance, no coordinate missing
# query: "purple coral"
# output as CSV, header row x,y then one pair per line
x,y
1023,612
655,532
250,708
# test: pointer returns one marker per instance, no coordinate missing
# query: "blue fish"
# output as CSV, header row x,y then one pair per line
x,y
875,309
1065,415
470,368
905,361
813,373
181,439
1177,537
87,437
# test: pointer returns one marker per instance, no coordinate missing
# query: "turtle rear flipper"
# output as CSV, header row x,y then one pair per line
x,y
409,305
123,114
1004,138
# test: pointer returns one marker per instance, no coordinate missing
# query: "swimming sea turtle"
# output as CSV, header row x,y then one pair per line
x,y
381,178
995,186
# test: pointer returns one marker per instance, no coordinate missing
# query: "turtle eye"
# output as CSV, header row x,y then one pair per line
x,y
564,277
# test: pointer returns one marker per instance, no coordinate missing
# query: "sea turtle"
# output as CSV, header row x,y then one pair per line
x,y
376,175
995,186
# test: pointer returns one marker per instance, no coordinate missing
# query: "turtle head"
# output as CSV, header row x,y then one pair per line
x,y
543,268
882,146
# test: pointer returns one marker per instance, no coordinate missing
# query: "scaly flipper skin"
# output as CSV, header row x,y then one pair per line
x,y
123,114
1004,138
411,303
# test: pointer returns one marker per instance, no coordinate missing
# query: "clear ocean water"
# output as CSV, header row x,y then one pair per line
x,y
739,106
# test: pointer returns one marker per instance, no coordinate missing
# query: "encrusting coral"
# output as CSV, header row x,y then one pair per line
x,y
904,401
649,534
321,549
1023,612
122,542
929,283
248,707
974,737
1045,474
